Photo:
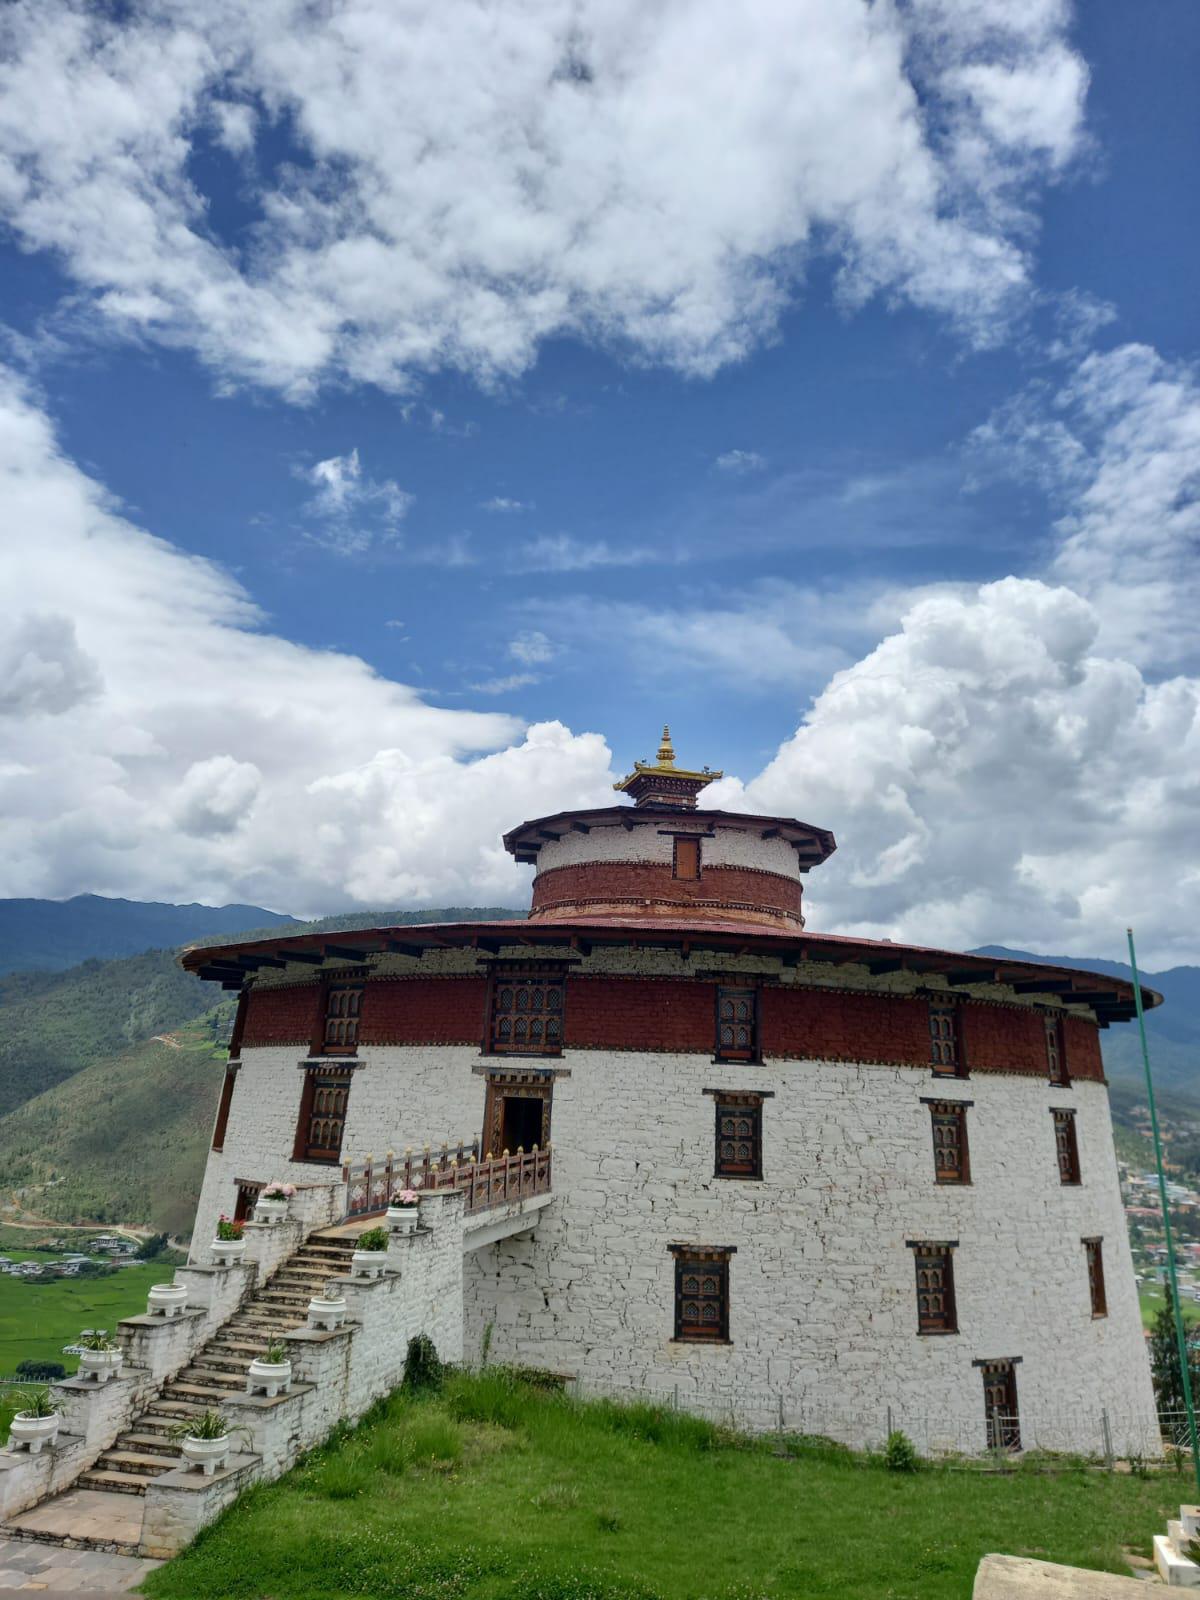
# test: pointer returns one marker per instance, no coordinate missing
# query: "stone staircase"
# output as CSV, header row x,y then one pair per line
x,y
218,1369
1172,1550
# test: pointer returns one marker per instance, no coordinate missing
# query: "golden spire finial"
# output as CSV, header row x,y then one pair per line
x,y
666,750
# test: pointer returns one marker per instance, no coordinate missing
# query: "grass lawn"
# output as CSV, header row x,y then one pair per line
x,y
492,1491
1152,1300
38,1319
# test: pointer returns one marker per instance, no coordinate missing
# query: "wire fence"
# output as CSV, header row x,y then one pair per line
x,y
1107,1437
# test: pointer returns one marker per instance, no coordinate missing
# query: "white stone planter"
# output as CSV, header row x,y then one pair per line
x,y
368,1263
209,1455
268,1377
271,1211
326,1313
100,1364
31,1433
402,1219
228,1252
168,1298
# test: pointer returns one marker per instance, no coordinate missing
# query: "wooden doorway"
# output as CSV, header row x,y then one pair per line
x,y
516,1113
247,1199
1000,1405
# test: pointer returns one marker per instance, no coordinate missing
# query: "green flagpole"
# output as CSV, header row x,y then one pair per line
x,y
1185,1371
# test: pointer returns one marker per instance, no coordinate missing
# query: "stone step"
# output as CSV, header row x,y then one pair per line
x,y
1190,1518
230,1348
286,1295
121,1482
169,1412
181,1389
135,1463
1174,1569
233,1362
215,1377
146,1441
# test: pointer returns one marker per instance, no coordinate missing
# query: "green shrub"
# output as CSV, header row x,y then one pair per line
x,y
41,1371
899,1454
422,1366
373,1239
659,1425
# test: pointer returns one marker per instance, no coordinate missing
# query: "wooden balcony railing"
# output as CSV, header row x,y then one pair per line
x,y
371,1185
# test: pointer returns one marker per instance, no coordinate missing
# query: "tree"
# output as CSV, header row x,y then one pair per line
x,y
1164,1358
153,1245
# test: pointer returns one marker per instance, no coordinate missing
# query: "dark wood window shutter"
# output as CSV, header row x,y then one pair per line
x,y
1094,1250
1066,1146
936,1309
322,1120
945,1043
1001,1417
739,1135
343,1008
737,1025
951,1153
1056,1055
702,1293
525,1015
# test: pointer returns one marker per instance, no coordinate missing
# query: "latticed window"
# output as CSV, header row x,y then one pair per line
x,y
1056,1056
739,1136
936,1311
945,1052
322,1114
1000,1405
737,1024
701,1293
1066,1145
1094,1250
527,1012
343,1006
951,1157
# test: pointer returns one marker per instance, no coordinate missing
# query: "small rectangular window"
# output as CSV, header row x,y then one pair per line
x,y
1094,1250
343,1006
737,1024
322,1120
1066,1145
936,1310
1056,1056
527,1012
687,858
739,1135
223,1105
945,1050
951,1155
702,1293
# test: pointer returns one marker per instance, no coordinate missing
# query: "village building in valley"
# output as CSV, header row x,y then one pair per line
x,y
762,1172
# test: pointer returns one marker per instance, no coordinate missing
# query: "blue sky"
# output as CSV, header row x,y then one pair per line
x,y
599,523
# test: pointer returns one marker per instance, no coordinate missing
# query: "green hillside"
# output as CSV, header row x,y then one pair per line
x,y
53,1024
125,1139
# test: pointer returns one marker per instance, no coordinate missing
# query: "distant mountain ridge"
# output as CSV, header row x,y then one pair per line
x,y
1172,1029
53,935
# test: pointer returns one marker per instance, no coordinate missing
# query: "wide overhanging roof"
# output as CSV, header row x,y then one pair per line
x,y
1110,998
812,845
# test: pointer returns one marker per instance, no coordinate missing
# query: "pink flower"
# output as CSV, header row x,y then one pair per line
x,y
407,1197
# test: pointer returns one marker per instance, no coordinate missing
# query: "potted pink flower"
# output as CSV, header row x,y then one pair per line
x,y
404,1211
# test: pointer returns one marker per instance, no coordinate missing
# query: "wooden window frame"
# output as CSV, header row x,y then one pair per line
x,y
1070,1174
221,1122
313,1072
1097,1292
929,1255
330,987
516,975
502,1085
1056,1053
710,1260
940,1042
689,840
751,1101
754,1054
944,1110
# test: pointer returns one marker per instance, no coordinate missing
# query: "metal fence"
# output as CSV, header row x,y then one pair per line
x,y
1106,1437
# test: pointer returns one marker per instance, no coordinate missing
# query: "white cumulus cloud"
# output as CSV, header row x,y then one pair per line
x,y
471,180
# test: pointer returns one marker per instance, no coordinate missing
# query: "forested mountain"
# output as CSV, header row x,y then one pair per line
x,y
52,935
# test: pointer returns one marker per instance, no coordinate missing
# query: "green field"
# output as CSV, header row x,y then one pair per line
x,y
494,1491
38,1319
1152,1300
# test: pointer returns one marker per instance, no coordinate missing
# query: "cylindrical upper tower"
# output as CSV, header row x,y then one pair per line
x,y
665,857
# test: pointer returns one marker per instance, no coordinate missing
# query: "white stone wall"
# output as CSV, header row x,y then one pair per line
x,y
728,847
823,1303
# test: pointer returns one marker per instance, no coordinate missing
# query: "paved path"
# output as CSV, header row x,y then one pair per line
x,y
27,1567
85,1514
